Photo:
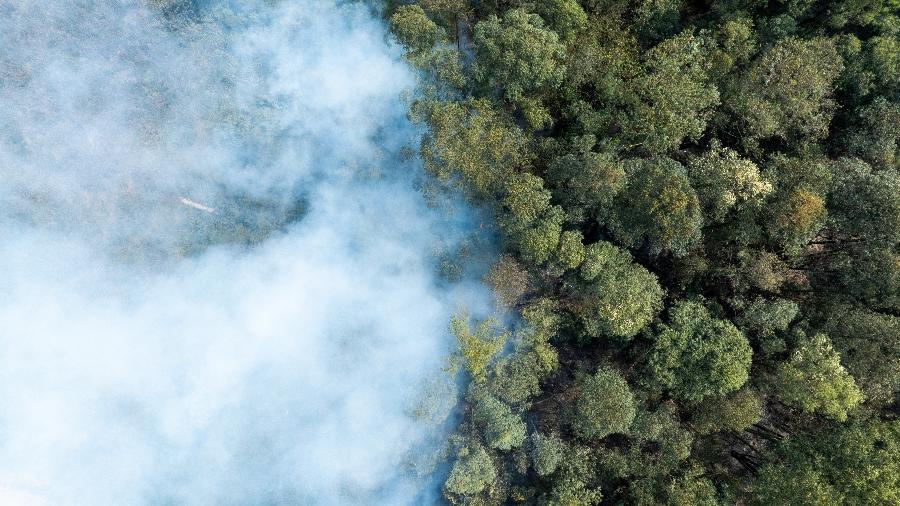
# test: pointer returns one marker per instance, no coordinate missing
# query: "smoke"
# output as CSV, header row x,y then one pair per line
x,y
217,280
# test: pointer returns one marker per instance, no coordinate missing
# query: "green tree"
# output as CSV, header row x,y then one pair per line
x,y
691,489
657,445
674,96
586,184
571,252
875,134
604,406
725,181
575,480
658,207
855,464
866,204
697,355
767,321
502,429
869,343
814,380
735,411
479,347
508,280
872,277
547,452
787,91
473,471
414,29
565,17
797,218
474,143
521,58
620,297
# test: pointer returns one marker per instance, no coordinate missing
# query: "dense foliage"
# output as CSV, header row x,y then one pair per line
x,y
698,205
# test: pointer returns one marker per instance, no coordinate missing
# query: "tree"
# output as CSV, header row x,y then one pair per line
x,y
575,483
869,343
520,57
875,135
866,204
725,181
571,251
472,142
767,320
604,405
673,96
502,429
855,464
871,277
697,355
517,378
586,183
658,207
508,280
472,472
620,297
814,380
414,29
531,224
537,240
734,162
691,489
657,444
565,17
735,412
478,348
797,219
547,452
787,92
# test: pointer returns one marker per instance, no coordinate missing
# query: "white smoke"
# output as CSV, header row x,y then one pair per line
x,y
217,283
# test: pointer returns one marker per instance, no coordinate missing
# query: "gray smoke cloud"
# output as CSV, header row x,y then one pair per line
x,y
217,280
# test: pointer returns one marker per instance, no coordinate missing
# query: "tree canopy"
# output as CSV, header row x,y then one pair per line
x,y
692,232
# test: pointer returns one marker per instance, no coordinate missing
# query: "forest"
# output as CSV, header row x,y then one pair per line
x,y
697,205
465,252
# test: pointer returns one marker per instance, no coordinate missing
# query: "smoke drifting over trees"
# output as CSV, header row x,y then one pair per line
x,y
264,344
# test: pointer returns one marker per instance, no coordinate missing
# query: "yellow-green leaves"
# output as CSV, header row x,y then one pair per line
x,y
472,142
620,297
814,380
658,208
478,347
414,29
604,406
724,181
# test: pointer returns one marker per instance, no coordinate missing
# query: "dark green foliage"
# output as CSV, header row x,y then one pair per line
x,y
869,344
521,58
786,92
697,207
414,29
586,184
696,355
620,297
857,464
866,204
735,412
547,453
673,95
502,429
604,405
658,208
472,472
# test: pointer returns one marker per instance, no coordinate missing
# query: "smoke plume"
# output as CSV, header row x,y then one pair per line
x,y
217,280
